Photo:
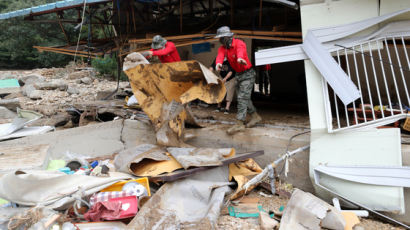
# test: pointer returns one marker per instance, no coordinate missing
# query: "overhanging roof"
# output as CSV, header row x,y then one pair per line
x,y
49,8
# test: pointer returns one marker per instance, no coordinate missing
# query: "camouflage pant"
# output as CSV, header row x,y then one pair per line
x,y
245,84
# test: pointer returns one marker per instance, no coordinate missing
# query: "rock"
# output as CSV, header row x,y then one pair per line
x,y
96,81
36,94
72,90
81,74
11,104
358,227
31,79
266,222
78,81
57,120
55,84
124,84
86,80
102,95
47,110
27,89
14,95
6,113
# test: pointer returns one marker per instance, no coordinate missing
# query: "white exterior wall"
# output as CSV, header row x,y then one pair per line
x,y
367,147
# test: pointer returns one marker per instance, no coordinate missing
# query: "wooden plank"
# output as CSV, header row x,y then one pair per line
x,y
270,38
23,157
268,33
186,173
170,38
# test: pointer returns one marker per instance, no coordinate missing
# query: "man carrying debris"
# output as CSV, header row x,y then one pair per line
x,y
235,51
165,50
228,78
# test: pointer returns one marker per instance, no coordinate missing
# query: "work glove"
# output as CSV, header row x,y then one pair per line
x,y
218,67
242,61
147,54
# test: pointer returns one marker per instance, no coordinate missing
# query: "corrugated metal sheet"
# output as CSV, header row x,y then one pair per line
x,y
48,7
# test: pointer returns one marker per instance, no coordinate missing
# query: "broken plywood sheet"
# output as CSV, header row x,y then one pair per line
x,y
242,172
23,157
156,85
197,157
189,172
146,160
305,211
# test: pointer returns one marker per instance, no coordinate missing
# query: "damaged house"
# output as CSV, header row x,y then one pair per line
x,y
349,60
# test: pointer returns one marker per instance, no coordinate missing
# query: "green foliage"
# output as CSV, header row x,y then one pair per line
x,y
17,38
107,67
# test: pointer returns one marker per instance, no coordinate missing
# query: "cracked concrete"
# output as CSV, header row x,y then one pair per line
x,y
92,140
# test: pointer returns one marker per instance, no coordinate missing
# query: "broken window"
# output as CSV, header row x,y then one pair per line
x,y
380,68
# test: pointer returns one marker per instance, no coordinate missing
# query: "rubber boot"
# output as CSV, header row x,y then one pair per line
x,y
238,127
255,118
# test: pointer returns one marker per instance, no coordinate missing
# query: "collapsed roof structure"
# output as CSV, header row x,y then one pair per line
x,y
128,26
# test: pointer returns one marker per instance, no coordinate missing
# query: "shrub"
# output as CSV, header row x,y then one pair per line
x,y
107,66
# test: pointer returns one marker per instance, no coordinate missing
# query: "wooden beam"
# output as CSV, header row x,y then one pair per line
x,y
149,40
59,16
270,38
268,33
133,18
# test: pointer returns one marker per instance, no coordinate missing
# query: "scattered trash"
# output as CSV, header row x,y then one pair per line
x,y
18,127
361,213
132,101
8,86
186,202
351,220
245,210
52,188
307,211
265,195
132,185
266,222
113,209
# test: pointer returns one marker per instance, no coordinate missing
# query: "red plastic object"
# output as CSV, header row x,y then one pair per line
x,y
129,206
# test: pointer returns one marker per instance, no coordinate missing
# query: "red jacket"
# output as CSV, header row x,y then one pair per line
x,y
168,54
237,50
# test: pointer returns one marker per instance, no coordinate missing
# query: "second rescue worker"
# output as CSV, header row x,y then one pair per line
x,y
165,50
235,51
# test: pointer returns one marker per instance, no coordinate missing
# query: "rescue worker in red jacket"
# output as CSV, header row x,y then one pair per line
x,y
165,50
235,51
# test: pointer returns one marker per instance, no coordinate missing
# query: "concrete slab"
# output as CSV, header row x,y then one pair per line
x,y
93,140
